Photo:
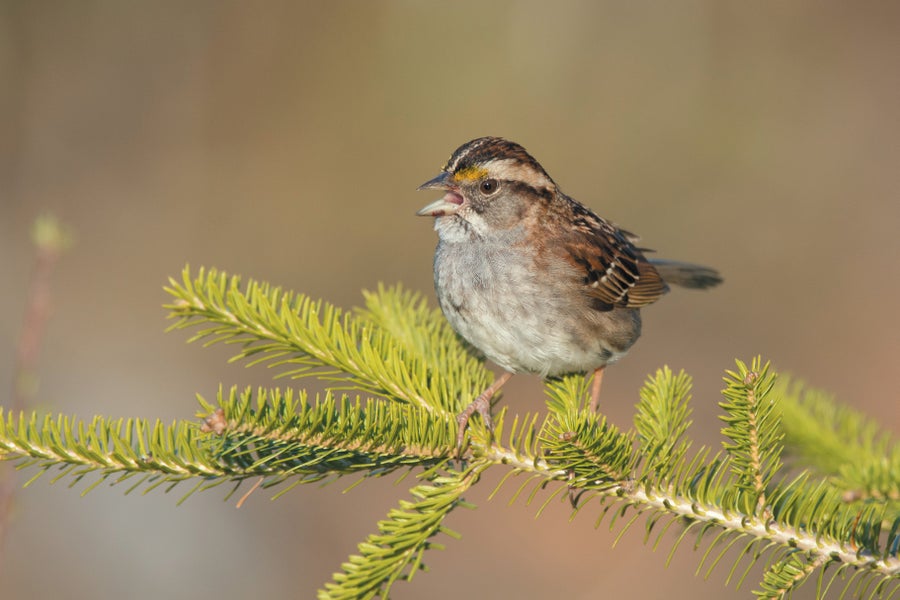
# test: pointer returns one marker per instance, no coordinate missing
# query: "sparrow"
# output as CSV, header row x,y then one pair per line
x,y
532,278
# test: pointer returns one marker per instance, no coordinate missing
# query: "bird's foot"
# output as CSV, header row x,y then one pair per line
x,y
481,405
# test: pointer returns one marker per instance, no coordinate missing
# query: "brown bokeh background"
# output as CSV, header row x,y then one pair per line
x,y
285,140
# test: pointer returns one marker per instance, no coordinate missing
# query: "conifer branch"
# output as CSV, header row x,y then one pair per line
x,y
313,338
754,428
415,374
700,494
166,455
849,448
396,552
662,420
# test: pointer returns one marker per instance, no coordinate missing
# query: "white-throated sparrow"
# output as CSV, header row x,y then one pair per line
x,y
532,278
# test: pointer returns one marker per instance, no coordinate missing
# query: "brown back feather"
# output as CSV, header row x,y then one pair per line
x,y
616,273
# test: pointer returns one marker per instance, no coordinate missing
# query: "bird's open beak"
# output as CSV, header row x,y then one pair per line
x,y
449,204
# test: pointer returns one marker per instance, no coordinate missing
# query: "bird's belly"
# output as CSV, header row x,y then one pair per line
x,y
495,302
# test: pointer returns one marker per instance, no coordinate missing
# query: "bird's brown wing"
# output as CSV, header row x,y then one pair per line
x,y
616,273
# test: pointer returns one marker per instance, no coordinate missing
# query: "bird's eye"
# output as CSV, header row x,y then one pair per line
x,y
489,186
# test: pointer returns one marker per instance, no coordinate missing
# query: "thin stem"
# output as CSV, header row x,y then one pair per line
x,y
51,241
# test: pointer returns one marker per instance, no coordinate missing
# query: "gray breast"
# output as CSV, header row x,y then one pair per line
x,y
493,296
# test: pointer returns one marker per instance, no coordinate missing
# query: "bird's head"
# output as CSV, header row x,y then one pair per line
x,y
488,185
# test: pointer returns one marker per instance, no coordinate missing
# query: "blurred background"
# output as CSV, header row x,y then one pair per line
x,y
285,140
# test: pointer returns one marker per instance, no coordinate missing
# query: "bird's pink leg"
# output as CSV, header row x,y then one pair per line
x,y
595,388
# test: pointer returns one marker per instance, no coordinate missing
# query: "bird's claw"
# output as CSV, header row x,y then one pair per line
x,y
481,405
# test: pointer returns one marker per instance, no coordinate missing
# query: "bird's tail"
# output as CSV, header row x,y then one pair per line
x,y
686,274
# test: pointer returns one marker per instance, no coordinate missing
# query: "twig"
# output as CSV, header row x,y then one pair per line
x,y
51,241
